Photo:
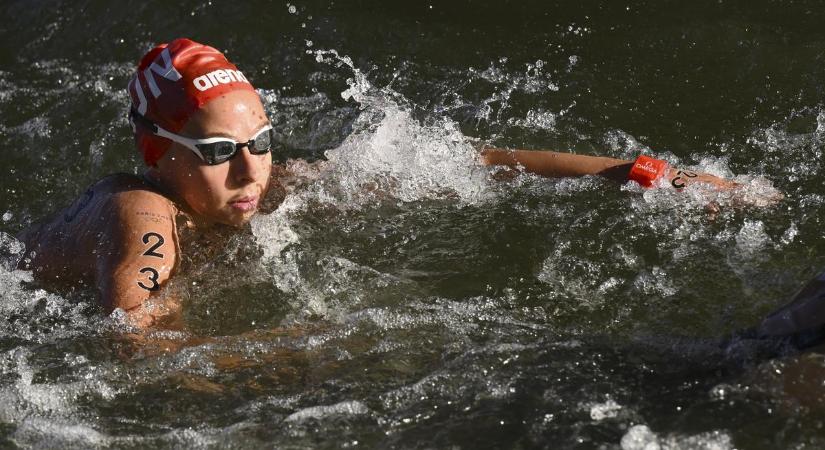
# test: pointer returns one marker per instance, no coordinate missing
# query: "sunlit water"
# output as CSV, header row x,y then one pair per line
x,y
406,297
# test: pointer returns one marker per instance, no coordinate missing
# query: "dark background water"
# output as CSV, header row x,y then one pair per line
x,y
431,322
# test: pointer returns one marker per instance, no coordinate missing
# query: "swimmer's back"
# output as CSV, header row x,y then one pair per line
x,y
120,231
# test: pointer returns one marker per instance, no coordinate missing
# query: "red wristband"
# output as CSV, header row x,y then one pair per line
x,y
647,170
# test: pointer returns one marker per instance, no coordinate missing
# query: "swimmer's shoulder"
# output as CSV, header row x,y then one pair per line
x,y
100,221
126,185
83,215
131,203
120,189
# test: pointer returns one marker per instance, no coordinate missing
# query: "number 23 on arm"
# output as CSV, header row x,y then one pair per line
x,y
138,257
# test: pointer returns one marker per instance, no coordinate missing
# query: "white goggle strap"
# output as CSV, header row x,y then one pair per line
x,y
185,141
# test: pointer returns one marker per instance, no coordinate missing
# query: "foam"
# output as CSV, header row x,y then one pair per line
x,y
641,437
607,410
50,433
404,158
321,412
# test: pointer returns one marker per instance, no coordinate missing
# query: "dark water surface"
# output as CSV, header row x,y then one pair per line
x,y
451,310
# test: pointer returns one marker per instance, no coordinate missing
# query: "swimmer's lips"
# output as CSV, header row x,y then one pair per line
x,y
245,204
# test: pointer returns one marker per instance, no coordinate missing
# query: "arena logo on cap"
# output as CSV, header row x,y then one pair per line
x,y
216,77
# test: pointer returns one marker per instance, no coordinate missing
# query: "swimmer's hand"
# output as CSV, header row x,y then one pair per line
x,y
291,176
756,192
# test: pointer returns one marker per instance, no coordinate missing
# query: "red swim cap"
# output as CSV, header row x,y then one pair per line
x,y
174,80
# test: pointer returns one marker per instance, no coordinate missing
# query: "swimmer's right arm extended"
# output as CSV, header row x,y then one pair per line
x,y
555,164
138,256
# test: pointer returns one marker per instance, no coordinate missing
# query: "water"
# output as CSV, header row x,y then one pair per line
x,y
404,298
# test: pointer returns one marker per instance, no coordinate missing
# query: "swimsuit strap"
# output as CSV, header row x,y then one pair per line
x,y
156,185
179,211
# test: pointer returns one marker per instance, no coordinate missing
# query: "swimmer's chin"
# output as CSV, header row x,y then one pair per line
x,y
226,216
240,219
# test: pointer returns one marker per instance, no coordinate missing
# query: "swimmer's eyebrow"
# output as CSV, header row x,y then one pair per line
x,y
234,138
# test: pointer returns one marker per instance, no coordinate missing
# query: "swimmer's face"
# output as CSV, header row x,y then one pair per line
x,y
229,192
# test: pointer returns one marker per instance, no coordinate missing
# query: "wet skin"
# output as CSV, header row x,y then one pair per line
x,y
121,236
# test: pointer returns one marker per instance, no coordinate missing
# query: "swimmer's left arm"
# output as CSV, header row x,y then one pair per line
x,y
556,165
139,258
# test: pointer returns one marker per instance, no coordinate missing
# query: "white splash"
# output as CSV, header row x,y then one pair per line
x,y
641,437
606,410
391,152
345,408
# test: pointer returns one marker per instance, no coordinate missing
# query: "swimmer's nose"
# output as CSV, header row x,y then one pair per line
x,y
246,167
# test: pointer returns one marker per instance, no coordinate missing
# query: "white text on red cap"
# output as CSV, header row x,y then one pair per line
x,y
216,77
167,70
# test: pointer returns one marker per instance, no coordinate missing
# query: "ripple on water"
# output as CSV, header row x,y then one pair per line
x,y
640,437
321,412
389,345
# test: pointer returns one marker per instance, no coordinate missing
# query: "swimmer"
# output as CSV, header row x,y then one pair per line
x,y
205,138
800,323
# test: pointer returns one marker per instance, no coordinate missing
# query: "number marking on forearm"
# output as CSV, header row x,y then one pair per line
x,y
152,217
677,180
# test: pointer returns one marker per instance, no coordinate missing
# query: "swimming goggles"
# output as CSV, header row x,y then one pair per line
x,y
214,150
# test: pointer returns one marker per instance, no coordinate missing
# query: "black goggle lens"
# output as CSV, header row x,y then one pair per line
x,y
222,151
261,143
217,152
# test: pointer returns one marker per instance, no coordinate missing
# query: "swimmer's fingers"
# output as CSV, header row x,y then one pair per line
x,y
143,343
743,198
138,318
712,210
504,174
758,193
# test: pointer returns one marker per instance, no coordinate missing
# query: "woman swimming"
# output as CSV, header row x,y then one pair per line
x,y
206,139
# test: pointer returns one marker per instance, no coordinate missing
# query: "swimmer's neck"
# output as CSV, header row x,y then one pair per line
x,y
153,178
